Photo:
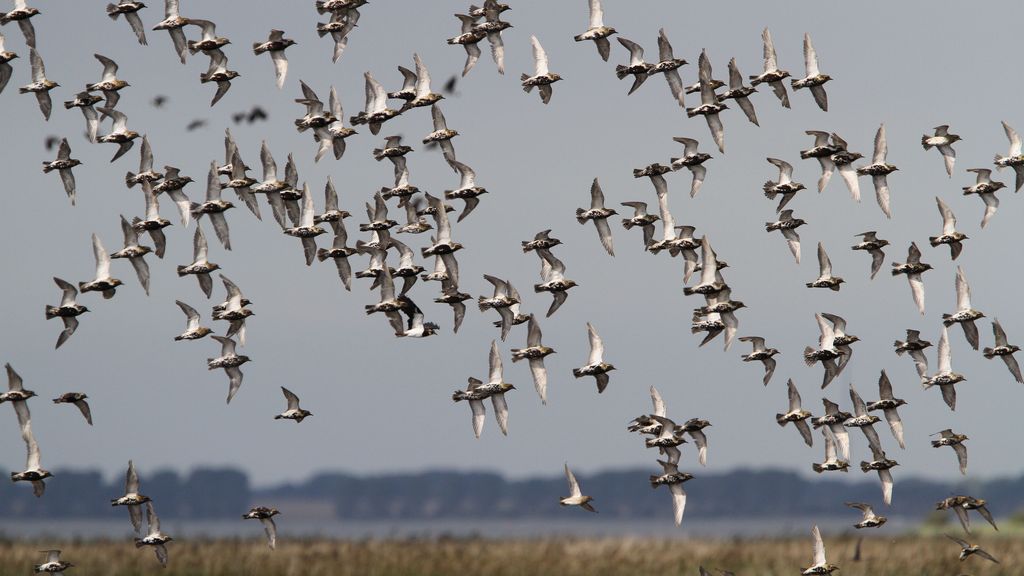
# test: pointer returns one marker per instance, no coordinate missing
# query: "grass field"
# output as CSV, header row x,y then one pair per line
x,y
904,556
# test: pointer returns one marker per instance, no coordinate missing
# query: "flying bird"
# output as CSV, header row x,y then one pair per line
x,y
542,78
1004,350
814,80
595,366
130,9
878,170
597,31
965,315
599,215
294,412
575,497
276,44
943,141
796,414
1014,159
986,189
709,104
771,73
63,165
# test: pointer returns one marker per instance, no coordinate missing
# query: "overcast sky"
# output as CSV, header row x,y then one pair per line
x,y
384,404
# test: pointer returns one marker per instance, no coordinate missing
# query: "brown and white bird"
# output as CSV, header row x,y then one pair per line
x,y
943,141
599,215
1003,349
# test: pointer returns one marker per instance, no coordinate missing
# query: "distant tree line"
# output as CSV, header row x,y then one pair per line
x,y
208,493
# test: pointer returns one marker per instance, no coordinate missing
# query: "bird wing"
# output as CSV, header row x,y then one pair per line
x,y
291,398
810,57
494,364
596,346
574,485
500,412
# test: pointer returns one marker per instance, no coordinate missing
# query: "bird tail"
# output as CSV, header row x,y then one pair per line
x,y
579,219
627,224
538,288
769,190
481,304
181,271
946,320
517,353
999,158
817,468
46,167
525,246
933,240
808,356
320,30
256,48
69,104
458,395
621,71
129,179
809,284
112,11
864,466
924,142
51,312
321,254
895,272
576,372
378,154
370,309
654,481
780,419
987,353
898,344
81,286
673,162
526,87
936,444
138,543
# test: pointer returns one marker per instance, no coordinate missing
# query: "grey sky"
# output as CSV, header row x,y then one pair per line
x,y
382,403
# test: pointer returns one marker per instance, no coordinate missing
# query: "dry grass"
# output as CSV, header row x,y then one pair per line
x,y
909,556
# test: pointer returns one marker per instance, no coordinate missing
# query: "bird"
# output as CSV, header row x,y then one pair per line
x,y
209,40
53,564
443,245
541,240
986,189
864,420
132,499
784,186
599,215
693,161
967,550
882,464
294,412
467,191
342,22
843,159
276,44
119,133
914,346
174,24
669,65
553,280
22,14
674,479
825,278
833,420
1014,159
888,404
109,83
130,9
762,354
534,353
230,362
146,172
695,428
840,339
469,38
5,64
943,141
376,111
135,253
200,266
153,224
740,93
219,73
501,301
950,236
63,165
422,94
642,219
154,537
636,68
68,310
913,268
709,104
595,366
955,441
646,424
442,135
85,102
870,519
40,85
193,329
34,472
542,78
711,280
796,414
822,150
878,170
787,225
814,80
270,185
872,244
945,378
492,27
771,73
597,31
965,315
266,517
495,389
1004,350
233,310
103,282
820,566
305,229
576,497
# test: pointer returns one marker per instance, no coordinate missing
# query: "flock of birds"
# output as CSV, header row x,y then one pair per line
x,y
293,209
